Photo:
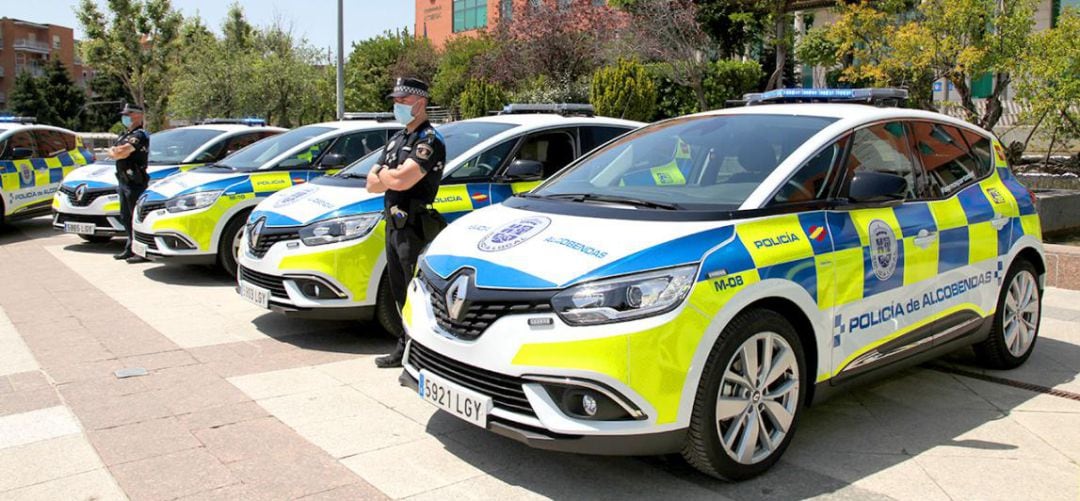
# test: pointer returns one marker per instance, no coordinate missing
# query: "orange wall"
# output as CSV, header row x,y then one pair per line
x,y
437,18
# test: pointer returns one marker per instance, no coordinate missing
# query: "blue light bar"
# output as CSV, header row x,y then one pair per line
x,y
564,109
252,121
378,116
12,119
870,96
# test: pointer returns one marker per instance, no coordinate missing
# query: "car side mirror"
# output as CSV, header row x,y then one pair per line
x,y
21,153
524,170
332,161
870,186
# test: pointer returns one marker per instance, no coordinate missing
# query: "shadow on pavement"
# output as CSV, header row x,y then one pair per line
x,y
194,275
857,434
355,337
26,230
111,247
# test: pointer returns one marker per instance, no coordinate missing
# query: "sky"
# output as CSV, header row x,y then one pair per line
x,y
314,19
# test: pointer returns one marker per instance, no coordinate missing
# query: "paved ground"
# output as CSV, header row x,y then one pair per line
x,y
241,404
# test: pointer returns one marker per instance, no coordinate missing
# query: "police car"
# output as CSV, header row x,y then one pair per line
x,y
807,247
196,217
318,250
33,160
87,203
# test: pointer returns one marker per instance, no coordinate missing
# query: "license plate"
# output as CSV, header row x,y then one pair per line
x,y
80,228
138,248
257,295
455,399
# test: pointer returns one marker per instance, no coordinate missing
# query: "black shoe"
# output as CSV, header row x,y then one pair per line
x,y
389,361
127,254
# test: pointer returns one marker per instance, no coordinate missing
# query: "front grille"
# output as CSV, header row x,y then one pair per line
x,y
267,239
88,197
275,284
505,391
484,307
146,208
148,240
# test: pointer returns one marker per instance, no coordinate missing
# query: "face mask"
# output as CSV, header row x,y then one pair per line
x,y
126,120
403,113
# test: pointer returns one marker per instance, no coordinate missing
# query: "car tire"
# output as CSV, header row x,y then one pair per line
x,y
96,239
226,244
1016,321
766,407
386,310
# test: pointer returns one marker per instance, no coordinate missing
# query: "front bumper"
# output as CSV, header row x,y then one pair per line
x,y
346,268
495,364
101,208
181,238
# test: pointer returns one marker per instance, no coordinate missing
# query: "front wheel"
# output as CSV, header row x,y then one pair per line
x,y
749,398
386,309
95,239
1016,321
229,244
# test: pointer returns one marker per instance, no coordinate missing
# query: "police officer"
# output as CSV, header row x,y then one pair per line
x,y
409,172
130,152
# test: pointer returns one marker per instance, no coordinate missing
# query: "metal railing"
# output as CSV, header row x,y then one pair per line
x,y
27,44
33,69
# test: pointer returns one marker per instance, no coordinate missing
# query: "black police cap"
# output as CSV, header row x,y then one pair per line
x,y
409,86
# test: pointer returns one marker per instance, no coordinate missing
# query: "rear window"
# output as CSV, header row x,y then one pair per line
x,y
948,160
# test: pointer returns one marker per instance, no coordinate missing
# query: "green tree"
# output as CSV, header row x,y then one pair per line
x,y
104,104
65,99
285,76
1050,79
624,90
457,67
138,43
730,79
369,71
480,97
28,98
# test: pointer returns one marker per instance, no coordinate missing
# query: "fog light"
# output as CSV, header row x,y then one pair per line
x,y
588,404
316,290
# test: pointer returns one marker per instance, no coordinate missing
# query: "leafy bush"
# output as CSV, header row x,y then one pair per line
x,y
457,64
542,89
730,79
480,97
624,90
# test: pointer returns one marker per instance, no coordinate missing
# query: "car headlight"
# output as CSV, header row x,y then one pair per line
x,y
200,200
338,230
625,298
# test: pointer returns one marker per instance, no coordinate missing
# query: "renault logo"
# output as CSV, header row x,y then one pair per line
x,y
256,232
455,298
80,192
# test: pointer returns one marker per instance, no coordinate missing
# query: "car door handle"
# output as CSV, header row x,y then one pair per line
x,y
925,238
999,222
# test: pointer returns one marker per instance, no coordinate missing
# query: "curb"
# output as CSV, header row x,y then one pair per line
x,y
1062,266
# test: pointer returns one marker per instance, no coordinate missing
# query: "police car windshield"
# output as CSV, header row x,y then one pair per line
x,y
257,154
698,163
459,136
173,146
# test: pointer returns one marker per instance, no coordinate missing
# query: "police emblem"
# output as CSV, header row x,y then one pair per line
x,y
26,173
424,151
290,197
513,234
883,249
995,195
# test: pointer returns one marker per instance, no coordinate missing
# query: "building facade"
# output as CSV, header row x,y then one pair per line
x,y
441,20
27,47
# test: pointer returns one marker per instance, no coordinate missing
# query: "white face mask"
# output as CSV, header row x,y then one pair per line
x,y
403,113
126,120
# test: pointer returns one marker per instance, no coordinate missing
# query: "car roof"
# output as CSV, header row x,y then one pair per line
x,y
545,119
6,127
230,127
848,115
357,124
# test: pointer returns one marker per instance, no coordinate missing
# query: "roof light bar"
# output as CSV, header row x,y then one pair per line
x,y
11,119
875,96
564,109
252,121
378,116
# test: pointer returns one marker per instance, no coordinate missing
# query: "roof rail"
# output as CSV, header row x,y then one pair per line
x,y
885,96
378,116
11,119
252,121
564,109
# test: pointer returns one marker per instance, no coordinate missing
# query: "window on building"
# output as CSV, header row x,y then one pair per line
x,y
564,4
506,10
56,41
469,15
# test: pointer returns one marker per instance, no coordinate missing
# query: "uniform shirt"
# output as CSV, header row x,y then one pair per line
x,y
425,146
133,168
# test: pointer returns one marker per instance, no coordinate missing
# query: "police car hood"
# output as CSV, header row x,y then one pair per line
x,y
513,248
103,175
194,181
307,203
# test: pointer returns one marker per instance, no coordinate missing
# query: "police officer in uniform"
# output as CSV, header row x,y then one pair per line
x,y
409,172
130,152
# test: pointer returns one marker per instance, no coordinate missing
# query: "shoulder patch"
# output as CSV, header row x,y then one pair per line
x,y
424,151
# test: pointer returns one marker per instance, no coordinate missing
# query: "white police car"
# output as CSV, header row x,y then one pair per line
x,y
318,250
805,247
87,204
196,217
33,160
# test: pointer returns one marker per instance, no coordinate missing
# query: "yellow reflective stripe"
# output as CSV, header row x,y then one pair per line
x,y
1031,225
270,181
982,232
9,181
667,174
606,355
863,217
77,156
523,186
999,155
453,198
921,323
200,225
1000,197
352,266
111,207
661,359
920,263
775,240
56,200
849,275
710,296
42,177
53,163
948,213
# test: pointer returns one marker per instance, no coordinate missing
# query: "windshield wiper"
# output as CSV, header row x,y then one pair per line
x,y
215,166
593,197
352,175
